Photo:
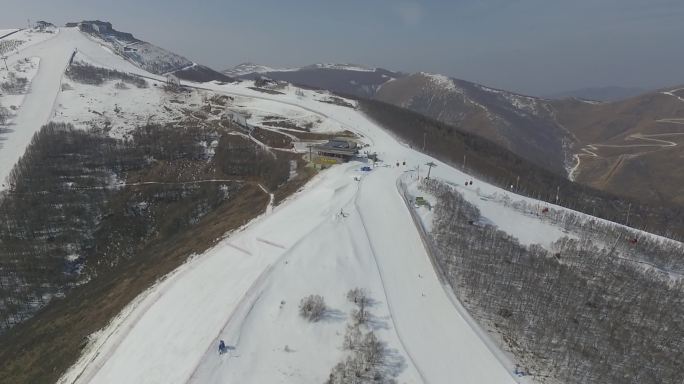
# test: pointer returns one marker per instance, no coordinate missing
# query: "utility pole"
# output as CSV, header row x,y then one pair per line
x,y
629,208
557,191
430,165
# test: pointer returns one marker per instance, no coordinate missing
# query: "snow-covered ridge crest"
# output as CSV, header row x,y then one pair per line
x,y
247,68
525,103
250,68
341,66
441,81
502,92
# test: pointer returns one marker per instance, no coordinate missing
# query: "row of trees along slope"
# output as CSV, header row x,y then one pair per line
x,y
501,167
588,310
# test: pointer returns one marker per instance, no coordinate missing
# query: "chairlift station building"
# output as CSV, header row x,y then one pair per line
x,y
338,150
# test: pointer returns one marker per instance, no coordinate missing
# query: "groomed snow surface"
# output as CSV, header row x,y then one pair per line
x,y
246,291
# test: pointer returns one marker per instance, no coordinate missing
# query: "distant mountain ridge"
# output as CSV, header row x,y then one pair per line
x,y
250,68
349,79
522,124
606,94
613,146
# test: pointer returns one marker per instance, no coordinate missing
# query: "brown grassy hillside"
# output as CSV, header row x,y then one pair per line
x,y
632,147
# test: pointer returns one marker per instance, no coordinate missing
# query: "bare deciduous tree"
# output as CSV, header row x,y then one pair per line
x,y
312,307
4,114
359,297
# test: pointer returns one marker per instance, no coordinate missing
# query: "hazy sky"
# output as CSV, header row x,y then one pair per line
x,y
530,46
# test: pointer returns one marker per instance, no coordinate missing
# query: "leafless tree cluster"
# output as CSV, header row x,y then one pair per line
x,y
336,101
239,156
4,115
364,364
582,313
360,298
80,203
367,361
312,307
8,45
14,84
90,74
173,142
146,57
47,227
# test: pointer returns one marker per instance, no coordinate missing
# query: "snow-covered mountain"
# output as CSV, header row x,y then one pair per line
x,y
346,79
608,94
154,218
340,66
523,124
146,55
554,134
228,292
251,68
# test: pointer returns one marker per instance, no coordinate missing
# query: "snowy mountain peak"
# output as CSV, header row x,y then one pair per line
x,y
527,104
341,66
248,67
440,81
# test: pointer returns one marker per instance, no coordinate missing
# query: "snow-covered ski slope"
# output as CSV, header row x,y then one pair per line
x,y
247,288
235,292
37,108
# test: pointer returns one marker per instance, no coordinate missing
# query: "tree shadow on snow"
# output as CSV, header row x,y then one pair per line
x,y
333,316
376,323
4,131
371,302
393,364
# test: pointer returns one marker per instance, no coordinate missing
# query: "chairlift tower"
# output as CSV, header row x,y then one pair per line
x,y
430,165
4,58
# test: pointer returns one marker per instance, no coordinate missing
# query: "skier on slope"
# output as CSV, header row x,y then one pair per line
x,y
222,347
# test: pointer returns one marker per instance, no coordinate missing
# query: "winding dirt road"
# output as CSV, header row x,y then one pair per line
x,y
647,141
